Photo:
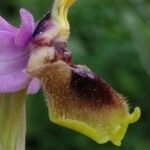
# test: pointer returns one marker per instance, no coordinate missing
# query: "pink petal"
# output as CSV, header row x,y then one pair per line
x,y
13,82
20,63
26,28
34,86
8,50
14,53
5,26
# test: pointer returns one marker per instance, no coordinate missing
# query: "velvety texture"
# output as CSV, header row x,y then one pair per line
x,y
76,97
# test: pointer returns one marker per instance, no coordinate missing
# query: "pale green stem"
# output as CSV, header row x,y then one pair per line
x,y
12,121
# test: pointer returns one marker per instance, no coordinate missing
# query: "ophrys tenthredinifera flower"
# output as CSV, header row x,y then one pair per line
x,y
37,54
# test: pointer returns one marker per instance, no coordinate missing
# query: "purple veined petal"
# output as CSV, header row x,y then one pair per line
x,y
4,25
34,86
20,63
8,50
13,82
26,28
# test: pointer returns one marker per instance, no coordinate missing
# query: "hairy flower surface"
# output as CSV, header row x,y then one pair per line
x,y
35,55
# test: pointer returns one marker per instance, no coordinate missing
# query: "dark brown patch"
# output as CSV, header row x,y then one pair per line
x,y
41,26
89,86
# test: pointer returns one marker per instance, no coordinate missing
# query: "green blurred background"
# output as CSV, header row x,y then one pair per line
x,y
112,37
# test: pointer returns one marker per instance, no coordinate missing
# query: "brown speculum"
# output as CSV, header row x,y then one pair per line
x,y
83,83
88,85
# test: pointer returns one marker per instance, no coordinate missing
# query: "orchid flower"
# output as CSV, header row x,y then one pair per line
x,y
35,55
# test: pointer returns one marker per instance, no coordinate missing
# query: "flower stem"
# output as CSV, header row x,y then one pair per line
x,y
12,121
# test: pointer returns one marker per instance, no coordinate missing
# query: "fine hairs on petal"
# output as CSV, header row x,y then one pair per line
x,y
76,97
82,101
